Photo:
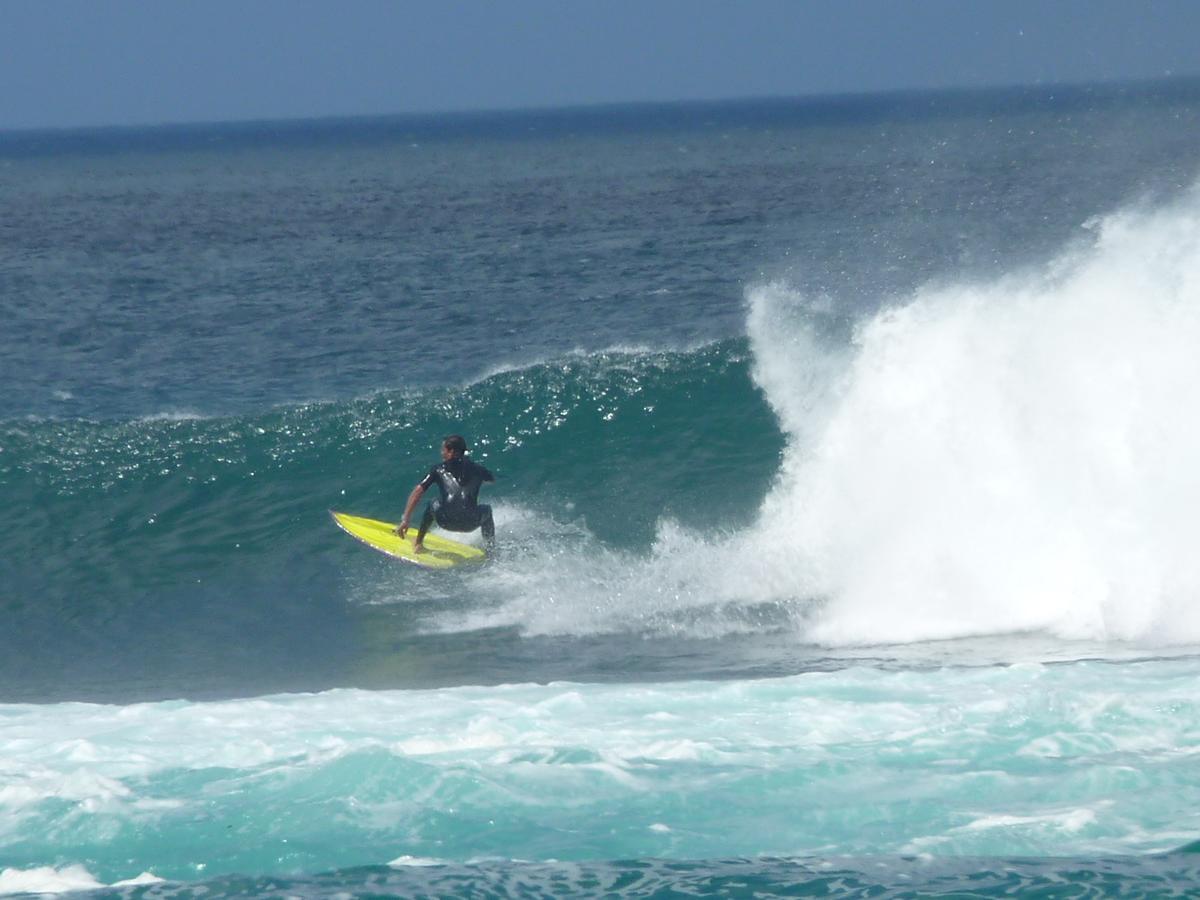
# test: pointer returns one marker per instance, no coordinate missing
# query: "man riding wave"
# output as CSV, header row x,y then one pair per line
x,y
458,479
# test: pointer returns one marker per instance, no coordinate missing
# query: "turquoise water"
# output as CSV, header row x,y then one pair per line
x,y
845,499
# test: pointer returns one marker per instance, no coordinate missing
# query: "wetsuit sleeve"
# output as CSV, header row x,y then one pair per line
x,y
429,479
487,475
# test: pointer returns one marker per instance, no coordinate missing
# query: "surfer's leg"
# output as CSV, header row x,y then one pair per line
x,y
426,521
487,525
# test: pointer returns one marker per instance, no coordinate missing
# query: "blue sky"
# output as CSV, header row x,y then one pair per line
x,y
68,63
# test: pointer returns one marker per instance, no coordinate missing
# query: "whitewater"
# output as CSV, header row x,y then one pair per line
x,y
1077,759
877,584
978,459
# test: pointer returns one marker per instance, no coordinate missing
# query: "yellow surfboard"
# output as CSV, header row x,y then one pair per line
x,y
440,552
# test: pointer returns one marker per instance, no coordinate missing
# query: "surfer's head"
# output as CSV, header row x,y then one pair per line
x,y
454,445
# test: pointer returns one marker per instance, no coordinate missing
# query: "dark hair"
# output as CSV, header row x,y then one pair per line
x,y
455,442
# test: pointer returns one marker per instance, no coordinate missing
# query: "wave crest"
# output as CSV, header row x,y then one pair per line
x,y
1011,456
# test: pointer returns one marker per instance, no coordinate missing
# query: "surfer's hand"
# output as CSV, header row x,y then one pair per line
x,y
401,528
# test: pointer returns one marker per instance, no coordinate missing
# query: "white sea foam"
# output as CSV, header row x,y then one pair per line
x,y
402,862
1013,456
47,880
50,880
679,769
554,577
1071,821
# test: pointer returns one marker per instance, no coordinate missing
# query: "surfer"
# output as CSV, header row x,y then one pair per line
x,y
459,480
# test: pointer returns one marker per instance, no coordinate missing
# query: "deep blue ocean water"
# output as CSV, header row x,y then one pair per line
x,y
846,501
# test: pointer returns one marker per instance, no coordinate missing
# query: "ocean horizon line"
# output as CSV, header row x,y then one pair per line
x,y
451,122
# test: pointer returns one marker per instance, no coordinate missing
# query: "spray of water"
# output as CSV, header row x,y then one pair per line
x,y
1013,456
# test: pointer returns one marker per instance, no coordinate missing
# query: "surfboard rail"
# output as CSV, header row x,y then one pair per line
x,y
440,552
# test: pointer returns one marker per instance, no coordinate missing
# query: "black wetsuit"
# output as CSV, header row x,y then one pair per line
x,y
459,480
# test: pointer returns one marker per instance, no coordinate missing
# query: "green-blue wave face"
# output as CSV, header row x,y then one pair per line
x,y
206,542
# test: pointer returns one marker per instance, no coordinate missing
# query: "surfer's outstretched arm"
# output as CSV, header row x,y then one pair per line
x,y
413,499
